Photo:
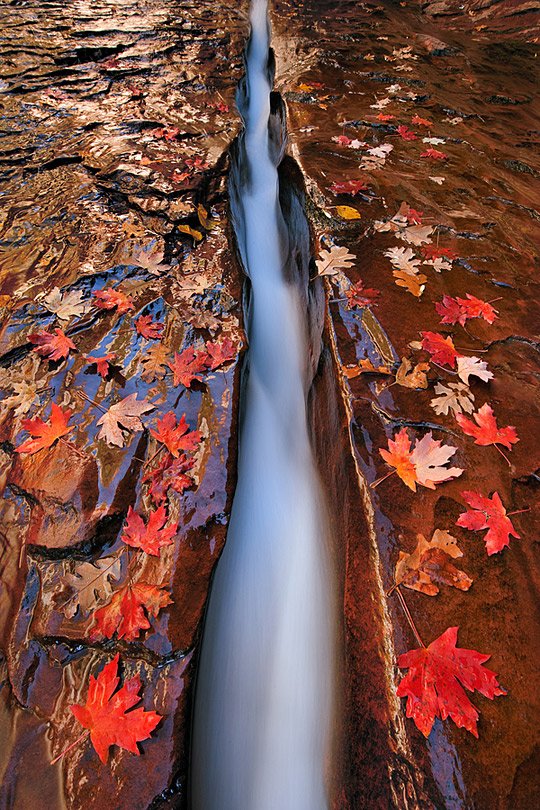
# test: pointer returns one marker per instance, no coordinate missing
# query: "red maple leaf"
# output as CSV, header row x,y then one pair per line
x,y
434,684
486,430
187,366
171,473
421,122
45,434
450,311
351,187
219,353
441,349
434,252
125,614
55,347
196,163
166,133
176,437
357,296
488,513
473,307
385,117
102,363
406,133
414,217
106,714
434,154
111,298
149,537
343,140
147,328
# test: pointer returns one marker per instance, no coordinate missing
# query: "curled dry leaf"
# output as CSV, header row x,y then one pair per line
x,y
434,684
430,565
410,377
89,585
456,397
125,414
330,261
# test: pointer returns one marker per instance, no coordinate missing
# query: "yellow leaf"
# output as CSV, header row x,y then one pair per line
x,y
346,212
197,235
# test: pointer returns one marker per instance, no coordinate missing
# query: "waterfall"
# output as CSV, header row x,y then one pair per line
x,y
264,690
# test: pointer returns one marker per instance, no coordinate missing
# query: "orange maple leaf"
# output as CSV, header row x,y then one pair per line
x,y
149,329
125,613
441,349
187,366
106,714
54,347
149,537
45,434
101,363
424,464
171,473
176,437
111,298
486,430
398,456
434,684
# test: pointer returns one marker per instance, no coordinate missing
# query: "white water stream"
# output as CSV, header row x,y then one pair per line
x,y
264,691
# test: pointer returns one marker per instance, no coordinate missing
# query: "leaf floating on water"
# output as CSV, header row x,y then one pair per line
x,y
65,306
414,284
176,437
430,565
24,397
125,414
364,366
110,299
53,347
472,367
147,328
154,362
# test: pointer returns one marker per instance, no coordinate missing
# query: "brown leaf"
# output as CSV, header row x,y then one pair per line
x,y
410,377
430,565
154,362
89,585
364,367
414,284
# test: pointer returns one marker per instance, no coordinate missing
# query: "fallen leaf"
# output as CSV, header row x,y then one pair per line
x,y
66,306
456,397
430,565
434,685
351,187
410,377
433,154
413,284
89,585
404,259
101,363
26,395
416,234
441,349
421,122
384,117
330,261
106,714
405,133
126,613
54,347
429,457
346,212
111,298
195,234
176,437
154,362
486,431
124,414
473,307
204,218
187,366
364,366
147,328
438,180
472,366
45,434
218,354
488,513
436,252
150,537
171,473
357,296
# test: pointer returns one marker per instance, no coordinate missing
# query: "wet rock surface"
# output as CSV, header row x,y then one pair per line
x,y
116,121
341,69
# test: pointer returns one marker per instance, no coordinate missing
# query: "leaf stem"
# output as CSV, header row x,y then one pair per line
x,y
518,511
407,613
73,744
504,455
93,402
380,480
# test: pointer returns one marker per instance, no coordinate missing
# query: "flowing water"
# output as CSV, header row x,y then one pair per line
x,y
263,695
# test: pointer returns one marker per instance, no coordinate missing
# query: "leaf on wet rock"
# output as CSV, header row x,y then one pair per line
x,y
170,473
24,397
472,367
127,612
365,366
421,122
193,232
441,349
488,513
106,712
150,537
434,154
176,437
438,180
486,431
188,366
456,397
125,414
110,299
154,362
425,463
430,565
102,363
330,261
405,133
52,346
220,353
359,296
89,585
415,234
351,187
65,306
346,212
410,377
148,328
413,284
434,684
404,259
460,310
44,434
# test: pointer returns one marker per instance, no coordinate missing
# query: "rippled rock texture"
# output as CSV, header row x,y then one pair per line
x,y
116,121
341,69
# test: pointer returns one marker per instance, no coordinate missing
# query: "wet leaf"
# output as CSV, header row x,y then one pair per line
x,y
149,329
110,299
187,366
154,362
358,296
433,154
24,397
53,347
421,122
434,684
486,430
416,234
405,133
441,349
88,586
218,354
459,310
413,284
44,434
410,377
65,306
126,613
107,714
424,464
346,212
352,187
456,397
430,565
472,367
125,414
101,363
196,235
365,367
176,437
171,473
488,513
404,259
330,261
149,537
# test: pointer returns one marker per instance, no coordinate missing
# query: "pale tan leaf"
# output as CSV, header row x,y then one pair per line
x,y
429,458
330,261
456,397
124,414
430,565
89,585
